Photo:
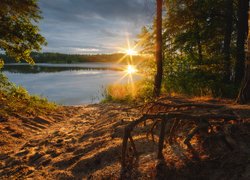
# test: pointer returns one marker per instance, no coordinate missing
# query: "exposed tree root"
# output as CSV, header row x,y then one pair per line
x,y
161,139
178,106
173,120
151,131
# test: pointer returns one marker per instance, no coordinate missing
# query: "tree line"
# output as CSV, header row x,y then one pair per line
x,y
50,57
20,38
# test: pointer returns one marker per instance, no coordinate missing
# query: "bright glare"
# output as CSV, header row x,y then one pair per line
x,y
131,69
131,52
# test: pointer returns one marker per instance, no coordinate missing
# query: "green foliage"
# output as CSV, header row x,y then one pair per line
x,y
1,63
16,99
199,83
19,34
146,40
193,38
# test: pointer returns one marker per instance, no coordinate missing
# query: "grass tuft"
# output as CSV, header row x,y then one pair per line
x,y
140,91
16,99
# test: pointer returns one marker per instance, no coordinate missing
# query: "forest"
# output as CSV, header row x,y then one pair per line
x,y
203,44
74,58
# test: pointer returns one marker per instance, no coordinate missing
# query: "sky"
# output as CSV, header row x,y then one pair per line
x,y
93,26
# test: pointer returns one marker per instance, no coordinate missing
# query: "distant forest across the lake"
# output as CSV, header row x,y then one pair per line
x,y
49,57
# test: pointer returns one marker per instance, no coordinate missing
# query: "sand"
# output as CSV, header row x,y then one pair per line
x,y
84,142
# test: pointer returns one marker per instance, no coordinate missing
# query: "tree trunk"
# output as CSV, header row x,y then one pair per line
x,y
244,94
227,38
242,30
199,49
198,41
158,53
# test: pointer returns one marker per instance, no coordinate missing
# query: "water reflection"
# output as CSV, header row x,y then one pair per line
x,y
71,85
50,68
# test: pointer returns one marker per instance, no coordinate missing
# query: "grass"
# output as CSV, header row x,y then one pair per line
x,y
140,91
16,99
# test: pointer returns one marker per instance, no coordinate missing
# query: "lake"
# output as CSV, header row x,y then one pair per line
x,y
67,84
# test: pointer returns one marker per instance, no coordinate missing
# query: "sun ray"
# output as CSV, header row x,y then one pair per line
x,y
130,70
120,79
121,59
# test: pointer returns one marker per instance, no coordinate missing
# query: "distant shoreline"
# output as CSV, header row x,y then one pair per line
x,y
57,58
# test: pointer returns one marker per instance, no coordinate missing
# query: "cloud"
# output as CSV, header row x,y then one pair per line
x,y
92,24
88,50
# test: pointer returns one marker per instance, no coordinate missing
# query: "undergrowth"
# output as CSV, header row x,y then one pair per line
x,y
16,99
184,85
140,91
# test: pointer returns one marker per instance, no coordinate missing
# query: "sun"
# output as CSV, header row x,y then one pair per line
x,y
131,52
131,69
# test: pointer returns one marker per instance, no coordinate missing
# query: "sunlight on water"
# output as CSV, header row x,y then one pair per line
x,y
87,72
70,87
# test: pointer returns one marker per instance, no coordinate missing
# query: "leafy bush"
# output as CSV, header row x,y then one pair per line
x,y
200,83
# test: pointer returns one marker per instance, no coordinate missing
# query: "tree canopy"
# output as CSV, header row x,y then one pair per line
x,y
19,32
203,46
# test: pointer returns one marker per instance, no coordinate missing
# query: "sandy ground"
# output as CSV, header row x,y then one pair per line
x,y
84,142
74,143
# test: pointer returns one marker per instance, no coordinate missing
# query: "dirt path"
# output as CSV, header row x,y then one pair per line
x,y
84,142
86,139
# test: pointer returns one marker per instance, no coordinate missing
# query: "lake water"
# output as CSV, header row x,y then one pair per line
x,y
66,84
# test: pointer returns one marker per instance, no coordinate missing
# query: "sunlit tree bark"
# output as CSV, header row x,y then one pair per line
x,y
158,53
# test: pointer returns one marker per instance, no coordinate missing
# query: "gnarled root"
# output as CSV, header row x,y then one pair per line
x,y
151,131
200,119
163,117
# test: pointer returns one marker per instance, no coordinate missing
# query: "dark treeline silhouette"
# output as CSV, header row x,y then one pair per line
x,y
50,57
